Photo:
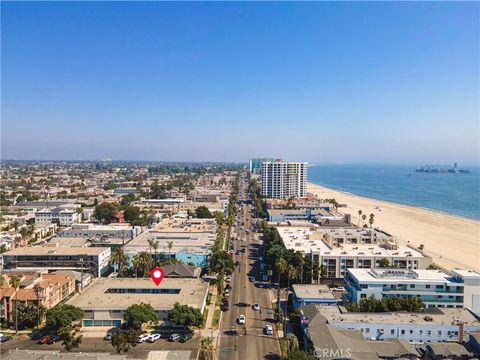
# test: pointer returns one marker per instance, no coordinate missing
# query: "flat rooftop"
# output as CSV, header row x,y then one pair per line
x,y
306,239
314,291
393,275
55,250
120,293
443,316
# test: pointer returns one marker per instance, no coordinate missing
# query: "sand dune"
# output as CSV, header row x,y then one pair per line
x,y
452,241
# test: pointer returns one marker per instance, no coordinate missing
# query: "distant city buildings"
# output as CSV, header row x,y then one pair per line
x,y
281,179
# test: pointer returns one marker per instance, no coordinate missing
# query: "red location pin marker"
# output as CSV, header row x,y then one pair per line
x,y
157,275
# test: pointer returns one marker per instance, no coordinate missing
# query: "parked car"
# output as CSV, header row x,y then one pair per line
x,y
108,337
251,278
153,337
228,287
5,338
44,339
268,330
241,319
186,337
36,335
53,340
143,337
256,307
174,337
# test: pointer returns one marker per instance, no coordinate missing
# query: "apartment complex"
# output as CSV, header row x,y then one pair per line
x,y
282,180
106,299
339,249
94,260
35,288
97,231
434,287
437,325
61,216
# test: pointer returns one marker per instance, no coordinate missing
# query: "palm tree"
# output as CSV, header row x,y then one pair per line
x,y
24,234
371,219
15,283
170,246
207,348
292,273
16,225
359,216
118,257
155,246
292,343
364,217
151,243
281,265
145,262
136,263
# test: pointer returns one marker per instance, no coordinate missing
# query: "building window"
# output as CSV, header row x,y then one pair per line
x,y
429,333
367,330
403,332
439,333
412,286
392,331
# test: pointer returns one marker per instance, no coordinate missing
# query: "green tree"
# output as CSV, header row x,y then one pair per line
x,y
119,258
219,217
360,212
105,212
69,336
63,315
202,212
127,199
29,315
14,282
132,214
293,344
281,266
138,314
371,219
124,342
421,247
221,262
298,355
185,315
207,349
170,247
384,263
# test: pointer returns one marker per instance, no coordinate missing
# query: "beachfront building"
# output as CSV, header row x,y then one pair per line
x,y
256,164
435,288
94,260
106,299
445,324
282,180
36,288
339,249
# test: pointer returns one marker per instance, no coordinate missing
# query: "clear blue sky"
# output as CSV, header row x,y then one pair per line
x,y
329,82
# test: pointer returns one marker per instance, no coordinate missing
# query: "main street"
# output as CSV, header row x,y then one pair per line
x,y
247,341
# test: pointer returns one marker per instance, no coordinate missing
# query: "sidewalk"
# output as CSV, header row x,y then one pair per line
x,y
211,307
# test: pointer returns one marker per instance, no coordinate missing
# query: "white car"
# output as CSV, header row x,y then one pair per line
x,y
256,307
241,319
268,330
142,338
228,279
152,338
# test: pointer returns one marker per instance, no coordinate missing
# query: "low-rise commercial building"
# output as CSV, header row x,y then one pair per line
x,y
94,260
305,294
106,299
434,287
97,231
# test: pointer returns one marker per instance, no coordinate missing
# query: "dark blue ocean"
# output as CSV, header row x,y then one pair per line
x,y
457,194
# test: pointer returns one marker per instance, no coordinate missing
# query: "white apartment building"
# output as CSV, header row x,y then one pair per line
x,y
282,180
435,288
61,216
339,249
441,325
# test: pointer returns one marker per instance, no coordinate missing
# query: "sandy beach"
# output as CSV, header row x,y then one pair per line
x,y
452,241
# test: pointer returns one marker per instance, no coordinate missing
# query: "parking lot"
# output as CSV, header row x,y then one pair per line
x,y
97,344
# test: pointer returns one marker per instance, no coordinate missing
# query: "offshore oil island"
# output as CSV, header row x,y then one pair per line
x,y
439,169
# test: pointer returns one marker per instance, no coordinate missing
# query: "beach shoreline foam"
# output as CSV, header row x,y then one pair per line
x,y
452,241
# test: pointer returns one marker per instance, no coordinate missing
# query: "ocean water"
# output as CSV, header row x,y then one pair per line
x,y
457,194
